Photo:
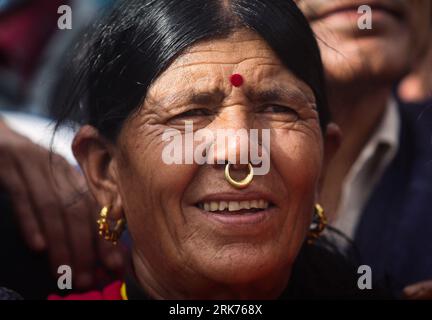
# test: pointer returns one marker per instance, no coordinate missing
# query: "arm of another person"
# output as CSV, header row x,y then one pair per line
x,y
53,207
419,291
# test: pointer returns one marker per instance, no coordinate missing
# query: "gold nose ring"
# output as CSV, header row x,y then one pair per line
x,y
242,183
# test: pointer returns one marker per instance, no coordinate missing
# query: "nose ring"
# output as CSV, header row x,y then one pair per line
x,y
242,183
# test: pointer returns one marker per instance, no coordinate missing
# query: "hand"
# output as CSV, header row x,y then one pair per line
x,y
419,291
53,207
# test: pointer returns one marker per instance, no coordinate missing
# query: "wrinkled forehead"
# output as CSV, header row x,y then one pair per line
x,y
207,67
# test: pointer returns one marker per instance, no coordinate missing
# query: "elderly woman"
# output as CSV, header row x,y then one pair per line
x,y
216,229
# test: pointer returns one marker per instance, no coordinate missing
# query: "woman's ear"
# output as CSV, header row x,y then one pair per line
x,y
96,156
332,142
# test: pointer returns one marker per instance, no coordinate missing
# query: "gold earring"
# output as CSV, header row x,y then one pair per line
x,y
319,223
239,184
104,228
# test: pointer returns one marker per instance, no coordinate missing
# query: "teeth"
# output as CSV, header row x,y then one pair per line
x,y
234,206
223,205
214,206
206,206
245,204
262,204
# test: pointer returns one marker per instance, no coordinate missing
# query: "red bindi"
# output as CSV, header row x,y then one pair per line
x,y
236,80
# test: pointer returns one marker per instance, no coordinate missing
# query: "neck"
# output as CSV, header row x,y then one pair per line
x,y
357,111
184,283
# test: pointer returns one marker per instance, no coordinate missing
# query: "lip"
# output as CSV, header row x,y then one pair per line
x,y
246,217
390,8
238,196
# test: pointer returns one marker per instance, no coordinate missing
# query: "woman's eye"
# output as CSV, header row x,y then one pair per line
x,y
278,109
194,113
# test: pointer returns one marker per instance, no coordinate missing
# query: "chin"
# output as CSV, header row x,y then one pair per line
x,y
247,267
380,70
373,55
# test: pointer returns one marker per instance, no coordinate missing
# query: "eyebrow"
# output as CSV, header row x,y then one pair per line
x,y
216,95
279,92
206,97
192,97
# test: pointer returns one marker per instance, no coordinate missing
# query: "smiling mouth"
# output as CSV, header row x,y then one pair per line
x,y
244,207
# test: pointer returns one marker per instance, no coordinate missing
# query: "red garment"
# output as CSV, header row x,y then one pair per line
x,y
110,292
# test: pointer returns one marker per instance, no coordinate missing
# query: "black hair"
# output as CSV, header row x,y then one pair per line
x,y
130,46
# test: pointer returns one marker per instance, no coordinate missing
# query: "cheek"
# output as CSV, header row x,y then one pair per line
x,y
298,157
352,61
151,192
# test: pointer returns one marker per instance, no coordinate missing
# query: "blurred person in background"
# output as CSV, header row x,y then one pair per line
x,y
415,94
379,184
46,211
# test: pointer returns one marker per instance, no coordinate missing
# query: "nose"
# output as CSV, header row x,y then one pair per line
x,y
231,144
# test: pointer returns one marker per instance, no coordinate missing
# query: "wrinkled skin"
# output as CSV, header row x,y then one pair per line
x,y
179,252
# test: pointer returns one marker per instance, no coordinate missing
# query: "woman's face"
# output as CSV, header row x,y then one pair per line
x,y
179,233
